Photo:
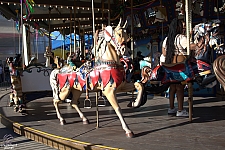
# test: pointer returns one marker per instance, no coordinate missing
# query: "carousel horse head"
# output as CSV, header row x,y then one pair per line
x,y
58,62
17,60
117,37
13,63
207,39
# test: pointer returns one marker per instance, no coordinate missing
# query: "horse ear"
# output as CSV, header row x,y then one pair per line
x,y
125,25
119,24
108,33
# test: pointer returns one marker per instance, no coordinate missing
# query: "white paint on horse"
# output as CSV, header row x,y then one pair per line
x,y
53,83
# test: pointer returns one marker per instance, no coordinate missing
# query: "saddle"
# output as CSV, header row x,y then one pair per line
x,y
182,61
173,64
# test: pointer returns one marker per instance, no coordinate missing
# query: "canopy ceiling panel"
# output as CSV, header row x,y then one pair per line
x,y
58,13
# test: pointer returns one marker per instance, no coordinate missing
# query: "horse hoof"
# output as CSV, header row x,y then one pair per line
x,y
16,109
130,135
86,122
62,122
20,110
11,104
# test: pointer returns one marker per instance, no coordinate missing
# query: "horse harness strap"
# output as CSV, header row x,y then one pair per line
x,y
113,39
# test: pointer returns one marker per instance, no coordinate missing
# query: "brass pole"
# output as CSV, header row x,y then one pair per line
x,y
93,25
188,29
132,28
79,35
74,28
64,38
70,30
49,28
97,113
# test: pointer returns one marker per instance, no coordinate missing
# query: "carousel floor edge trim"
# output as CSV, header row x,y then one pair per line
x,y
51,140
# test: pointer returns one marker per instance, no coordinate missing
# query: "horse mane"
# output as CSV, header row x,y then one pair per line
x,y
219,69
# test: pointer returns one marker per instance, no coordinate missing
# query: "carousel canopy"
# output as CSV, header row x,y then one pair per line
x,y
148,15
56,15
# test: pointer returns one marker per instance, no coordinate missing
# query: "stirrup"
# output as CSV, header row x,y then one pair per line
x,y
101,98
85,103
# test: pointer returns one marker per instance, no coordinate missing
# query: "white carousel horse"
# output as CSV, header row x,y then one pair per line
x,y
16,96
107,75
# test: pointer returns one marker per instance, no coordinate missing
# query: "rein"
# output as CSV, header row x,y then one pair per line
x,y
118,46
113,39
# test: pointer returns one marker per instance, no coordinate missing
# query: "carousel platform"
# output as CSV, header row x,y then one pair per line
x,y
153,128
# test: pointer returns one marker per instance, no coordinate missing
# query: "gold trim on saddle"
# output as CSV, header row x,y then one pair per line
x,y
106,64
205,72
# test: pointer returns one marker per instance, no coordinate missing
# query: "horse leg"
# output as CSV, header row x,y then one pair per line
x,y
56,104
74,104
110,94
57,97
140,100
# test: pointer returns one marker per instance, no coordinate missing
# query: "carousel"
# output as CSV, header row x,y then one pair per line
x,y
118,64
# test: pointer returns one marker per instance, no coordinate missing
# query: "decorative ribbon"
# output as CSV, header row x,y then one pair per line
x,y
29,8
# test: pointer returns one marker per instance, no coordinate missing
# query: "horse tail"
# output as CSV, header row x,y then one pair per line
x,y
219,69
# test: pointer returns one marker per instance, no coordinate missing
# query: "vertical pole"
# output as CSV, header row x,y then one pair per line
x,y
25,52
37,42
188,22
83,41
97,114
132,32
19,40
102,9
21,27
74,29
79,37
109,12
14,41
93,25
188,28
28,44
49,28
70,30
64,38
61,44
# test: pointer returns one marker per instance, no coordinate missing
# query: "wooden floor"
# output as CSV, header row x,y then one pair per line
x,y
152,127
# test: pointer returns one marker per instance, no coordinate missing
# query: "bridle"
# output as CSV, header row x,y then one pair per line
x,y
115,42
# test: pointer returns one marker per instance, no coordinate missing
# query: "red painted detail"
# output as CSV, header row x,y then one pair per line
x,y
80,80
118,75
105,76
202,64
154,72
62,79
71,78
94,77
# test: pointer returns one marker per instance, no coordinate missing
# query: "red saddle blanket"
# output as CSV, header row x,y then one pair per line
x,y
103,76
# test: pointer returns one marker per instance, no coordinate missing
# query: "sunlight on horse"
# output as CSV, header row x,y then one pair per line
x,y
107,75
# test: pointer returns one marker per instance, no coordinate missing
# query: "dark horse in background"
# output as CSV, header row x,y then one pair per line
x,y
197,68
